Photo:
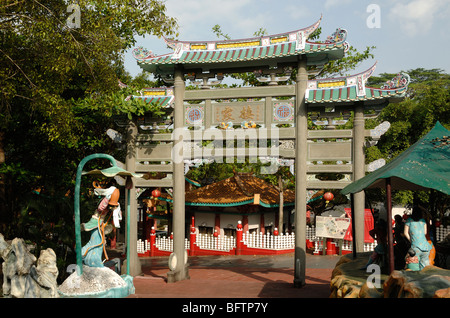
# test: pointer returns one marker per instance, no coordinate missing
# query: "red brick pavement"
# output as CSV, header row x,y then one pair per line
x,y
232,282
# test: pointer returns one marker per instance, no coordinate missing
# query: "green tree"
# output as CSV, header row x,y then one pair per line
x,y
59,94
427,101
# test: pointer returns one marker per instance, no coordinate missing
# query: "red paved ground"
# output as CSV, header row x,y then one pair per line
x,y
233,282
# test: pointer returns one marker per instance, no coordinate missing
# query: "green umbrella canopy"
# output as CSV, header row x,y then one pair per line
x,y
111,172
424,165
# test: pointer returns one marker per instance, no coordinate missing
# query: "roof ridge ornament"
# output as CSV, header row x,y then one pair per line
x,y
141,53
400,80
338,36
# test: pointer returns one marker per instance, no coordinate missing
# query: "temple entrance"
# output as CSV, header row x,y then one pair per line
x,y
254,123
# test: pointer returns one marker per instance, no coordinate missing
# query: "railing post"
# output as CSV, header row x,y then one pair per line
x,y
239,238
193,238
152,241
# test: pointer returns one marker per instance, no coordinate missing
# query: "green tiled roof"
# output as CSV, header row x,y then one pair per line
x,y
348,94
160,100
352,88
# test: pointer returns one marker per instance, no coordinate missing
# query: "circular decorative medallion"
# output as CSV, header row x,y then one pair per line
x,y
194,115
283,112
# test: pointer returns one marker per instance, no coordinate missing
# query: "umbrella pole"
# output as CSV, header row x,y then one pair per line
x,y
352,207
128,232
390,238
77,204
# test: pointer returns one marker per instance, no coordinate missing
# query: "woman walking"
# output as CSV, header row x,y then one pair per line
x,y
415,231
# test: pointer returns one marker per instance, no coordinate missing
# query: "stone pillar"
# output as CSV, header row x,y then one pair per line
x,y
359,172
301,127
130,163
177,261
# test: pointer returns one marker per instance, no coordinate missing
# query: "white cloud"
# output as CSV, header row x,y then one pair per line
x,y
418,16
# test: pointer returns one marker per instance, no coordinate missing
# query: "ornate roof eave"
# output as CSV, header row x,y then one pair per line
x,y
353,88
162,96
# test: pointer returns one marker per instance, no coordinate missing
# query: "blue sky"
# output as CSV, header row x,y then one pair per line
x,y
407,33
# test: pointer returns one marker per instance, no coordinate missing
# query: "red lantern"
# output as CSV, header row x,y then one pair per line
x,y
328,196
156,193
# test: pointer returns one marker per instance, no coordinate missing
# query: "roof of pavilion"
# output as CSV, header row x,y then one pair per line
x,y
241,189
214,53
353,88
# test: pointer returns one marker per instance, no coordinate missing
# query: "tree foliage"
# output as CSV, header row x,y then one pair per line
x,y
59,94
427,101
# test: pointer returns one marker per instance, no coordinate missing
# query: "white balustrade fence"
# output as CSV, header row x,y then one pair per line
x,y
143,246
262,241
442,232
211,242
311,233
346,245
269,241
162,243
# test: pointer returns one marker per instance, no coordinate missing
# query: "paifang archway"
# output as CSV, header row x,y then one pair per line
x,y
216,111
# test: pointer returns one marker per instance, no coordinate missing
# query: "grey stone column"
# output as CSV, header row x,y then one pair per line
x,y
177,261
301,124
130,162
358,173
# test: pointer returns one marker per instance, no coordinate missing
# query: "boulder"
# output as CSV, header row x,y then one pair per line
x,y
430,282
348,280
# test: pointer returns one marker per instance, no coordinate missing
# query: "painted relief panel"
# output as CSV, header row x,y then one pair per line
x,y
238,112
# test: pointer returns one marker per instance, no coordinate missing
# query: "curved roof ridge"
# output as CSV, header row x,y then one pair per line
x,y
367,73
309,30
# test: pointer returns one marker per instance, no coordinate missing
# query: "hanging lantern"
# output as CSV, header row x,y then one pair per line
x,y
328,196
156,193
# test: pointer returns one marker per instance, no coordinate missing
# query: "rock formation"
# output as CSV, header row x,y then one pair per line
x,y
21,278
348,280
430,282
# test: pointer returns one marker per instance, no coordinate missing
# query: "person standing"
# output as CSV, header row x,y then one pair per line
x,y
415,231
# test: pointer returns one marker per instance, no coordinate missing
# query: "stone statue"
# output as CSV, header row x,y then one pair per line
x,y
99,225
